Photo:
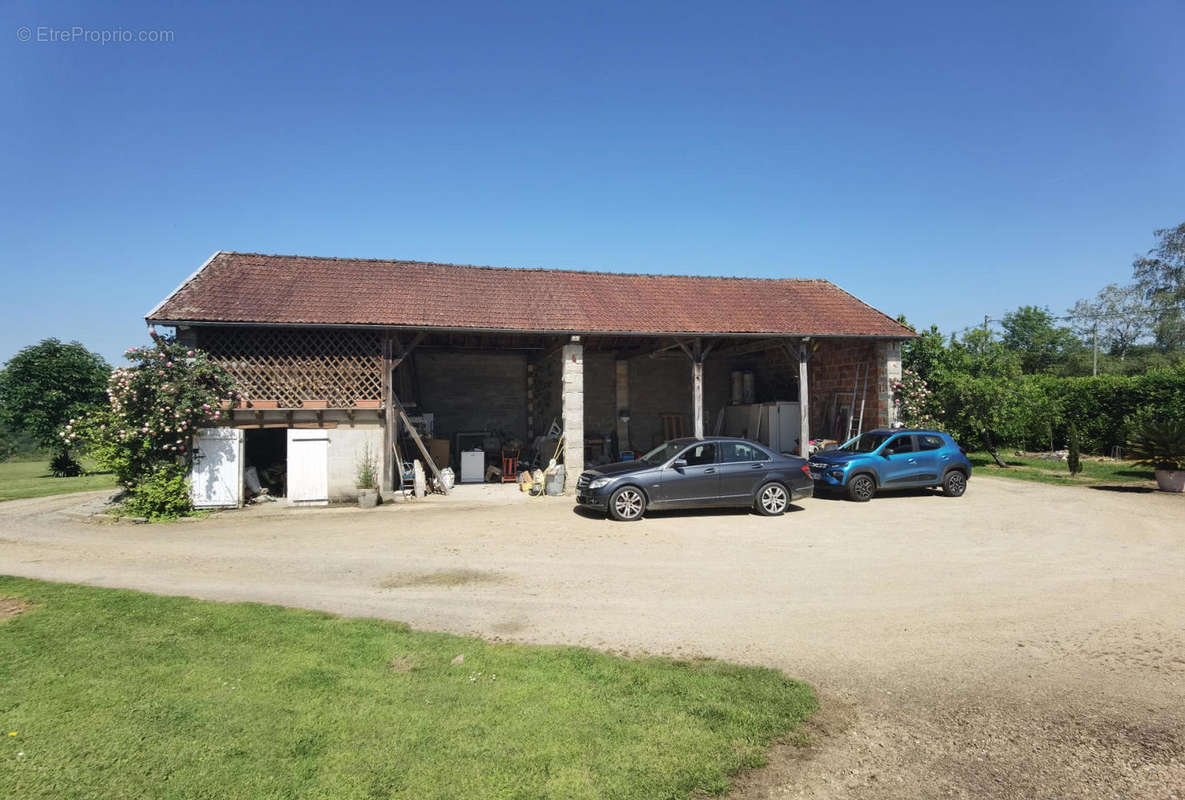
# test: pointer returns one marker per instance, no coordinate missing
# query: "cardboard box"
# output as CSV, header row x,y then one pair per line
x,y
439,450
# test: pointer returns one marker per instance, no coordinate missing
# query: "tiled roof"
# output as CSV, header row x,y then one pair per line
x,y
253,288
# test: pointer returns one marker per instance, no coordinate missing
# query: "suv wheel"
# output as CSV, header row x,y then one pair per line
x,y
772,499
627,504
861,488
954,484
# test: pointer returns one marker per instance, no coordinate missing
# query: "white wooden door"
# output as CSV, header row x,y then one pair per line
x,y
308,466
216,477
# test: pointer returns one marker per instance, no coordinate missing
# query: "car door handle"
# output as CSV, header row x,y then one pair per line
x,y
756,466
709,469
912,460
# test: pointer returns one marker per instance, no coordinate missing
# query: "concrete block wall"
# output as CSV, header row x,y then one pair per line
x,y
478,391
657,386
346,450
889,356
600,394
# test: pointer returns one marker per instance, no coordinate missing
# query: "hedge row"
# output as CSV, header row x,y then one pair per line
x,y
1035,411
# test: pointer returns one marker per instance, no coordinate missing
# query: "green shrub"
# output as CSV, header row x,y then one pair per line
x,y
1157,439
367,477
145,434
162,495
1073,461
63,465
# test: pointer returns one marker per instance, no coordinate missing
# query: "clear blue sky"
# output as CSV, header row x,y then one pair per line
x,y
944,160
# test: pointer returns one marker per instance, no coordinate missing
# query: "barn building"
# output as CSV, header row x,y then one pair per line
x,y
329,355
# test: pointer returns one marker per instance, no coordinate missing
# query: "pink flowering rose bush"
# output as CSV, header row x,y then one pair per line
x,y
145,434
916,405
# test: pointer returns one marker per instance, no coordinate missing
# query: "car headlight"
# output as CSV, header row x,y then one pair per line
x,y
599,482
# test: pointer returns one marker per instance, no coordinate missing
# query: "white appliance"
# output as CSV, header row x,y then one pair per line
x,y
473,466
775,425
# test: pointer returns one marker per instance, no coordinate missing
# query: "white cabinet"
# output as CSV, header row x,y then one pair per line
x,y
308,466
216,476
775,425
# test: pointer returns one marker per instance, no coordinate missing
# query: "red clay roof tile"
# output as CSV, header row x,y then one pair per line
x,y
254,288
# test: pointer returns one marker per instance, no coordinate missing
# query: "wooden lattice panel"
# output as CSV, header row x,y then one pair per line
x,y
295,365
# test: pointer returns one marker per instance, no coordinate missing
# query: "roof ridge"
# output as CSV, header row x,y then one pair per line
x,y
566,270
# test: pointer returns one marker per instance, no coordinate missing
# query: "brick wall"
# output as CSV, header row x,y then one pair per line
x,y
836,367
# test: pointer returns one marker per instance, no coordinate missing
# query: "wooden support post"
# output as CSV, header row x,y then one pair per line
x,y
697,389
390,439
804,401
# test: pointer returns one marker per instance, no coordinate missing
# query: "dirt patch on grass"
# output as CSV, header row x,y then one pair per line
x,y
442,577
11,607
401,665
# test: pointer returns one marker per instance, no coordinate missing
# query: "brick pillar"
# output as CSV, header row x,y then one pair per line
x,y
889,367
572,405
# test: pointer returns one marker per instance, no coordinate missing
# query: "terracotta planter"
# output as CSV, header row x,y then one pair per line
x,y
367,498
314,404
265,404
368,403
1171,480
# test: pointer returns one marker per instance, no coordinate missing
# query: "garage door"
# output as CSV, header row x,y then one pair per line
x,y
308,467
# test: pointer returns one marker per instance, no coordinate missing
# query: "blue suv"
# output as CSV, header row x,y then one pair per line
x,y
892,459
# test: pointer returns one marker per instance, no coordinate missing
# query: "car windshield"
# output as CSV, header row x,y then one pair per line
x,y
865,443
663,453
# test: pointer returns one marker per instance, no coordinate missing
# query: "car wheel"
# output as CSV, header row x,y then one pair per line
x,y
627,504
954,484
772,499
861,488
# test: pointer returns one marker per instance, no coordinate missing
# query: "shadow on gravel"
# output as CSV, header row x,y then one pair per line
x,y
880,493
1124,489
588,513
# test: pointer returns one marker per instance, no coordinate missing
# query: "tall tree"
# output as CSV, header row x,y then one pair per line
x,y
1030,332
925,355
46,384
980,354
1161,276
1121,317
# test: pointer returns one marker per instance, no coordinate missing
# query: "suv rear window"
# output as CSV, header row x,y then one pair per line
x,y
930,442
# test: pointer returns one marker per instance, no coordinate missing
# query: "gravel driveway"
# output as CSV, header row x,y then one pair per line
x,y
1021,641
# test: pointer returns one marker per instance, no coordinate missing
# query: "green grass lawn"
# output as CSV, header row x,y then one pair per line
x,y
117,694
20,479
1094,473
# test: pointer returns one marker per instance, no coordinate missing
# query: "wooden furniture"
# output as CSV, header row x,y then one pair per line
x,y
509,465
593,449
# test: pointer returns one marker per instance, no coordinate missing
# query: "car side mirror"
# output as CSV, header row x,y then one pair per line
x,y
888,451
679,463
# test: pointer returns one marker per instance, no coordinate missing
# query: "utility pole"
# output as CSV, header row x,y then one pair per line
x,y
1095,369
986,320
